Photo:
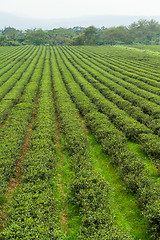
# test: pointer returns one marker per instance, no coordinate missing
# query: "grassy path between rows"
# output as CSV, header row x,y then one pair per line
x,y
61,195
124,205
150,167
69,220
140,50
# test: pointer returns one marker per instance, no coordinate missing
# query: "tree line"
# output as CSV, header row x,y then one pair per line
x,y
141,32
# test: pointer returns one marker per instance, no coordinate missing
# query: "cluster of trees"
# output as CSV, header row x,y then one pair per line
x,y
142,32
58,36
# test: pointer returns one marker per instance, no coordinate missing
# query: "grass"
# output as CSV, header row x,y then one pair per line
x,y
124,205
3,199
144,50
73,220
153,171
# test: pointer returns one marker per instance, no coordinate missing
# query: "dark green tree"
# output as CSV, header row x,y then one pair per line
x,y
36,36
91,35
116,35
88,37
3,40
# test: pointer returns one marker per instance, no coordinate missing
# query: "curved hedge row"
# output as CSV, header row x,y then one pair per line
x,y
121,119
147,107
126,54
129,92
133,111
130,86
133,67
125,71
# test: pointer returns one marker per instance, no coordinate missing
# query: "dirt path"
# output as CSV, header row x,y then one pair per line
x,y
15,182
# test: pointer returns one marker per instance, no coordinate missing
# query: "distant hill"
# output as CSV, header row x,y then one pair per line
x,y
7,19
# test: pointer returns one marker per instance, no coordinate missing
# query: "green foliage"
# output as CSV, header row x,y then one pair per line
x,y
36,37
21,116
145,32
11,37
32,213
117,35
112,140
152,213
12,95
130,127
118,96
88,190
142,32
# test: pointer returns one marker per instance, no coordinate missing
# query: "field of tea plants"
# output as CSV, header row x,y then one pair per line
x,y
80,142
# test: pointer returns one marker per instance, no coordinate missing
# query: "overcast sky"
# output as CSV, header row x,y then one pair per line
x,y
71,8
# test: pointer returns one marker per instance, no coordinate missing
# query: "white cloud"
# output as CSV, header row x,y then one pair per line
x,y
73,8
